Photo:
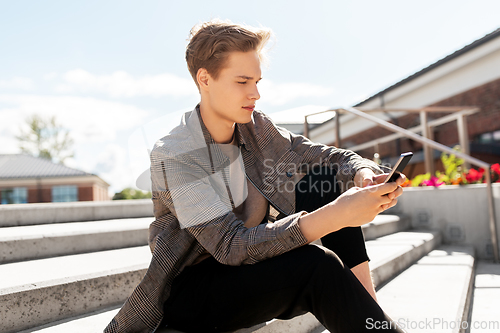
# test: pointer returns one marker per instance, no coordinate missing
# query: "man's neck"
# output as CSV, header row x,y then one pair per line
x,y
220,130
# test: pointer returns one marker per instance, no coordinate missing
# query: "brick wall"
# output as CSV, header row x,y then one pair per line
x,y
86,192
486,97
39,194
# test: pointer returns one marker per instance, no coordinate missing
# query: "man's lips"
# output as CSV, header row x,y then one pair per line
x,y
249,107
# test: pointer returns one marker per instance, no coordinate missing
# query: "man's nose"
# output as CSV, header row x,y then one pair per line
x,y
254,93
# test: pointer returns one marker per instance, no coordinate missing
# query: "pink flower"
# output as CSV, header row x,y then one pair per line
x,y
434,181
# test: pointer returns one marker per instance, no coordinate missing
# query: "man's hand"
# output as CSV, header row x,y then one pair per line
x,y
353,208
359,205
366,177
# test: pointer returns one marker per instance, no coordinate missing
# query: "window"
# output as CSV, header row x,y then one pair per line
x,y
64,193
14,195
490,137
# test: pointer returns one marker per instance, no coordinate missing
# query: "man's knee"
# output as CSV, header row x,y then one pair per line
x,y
321,258
316,189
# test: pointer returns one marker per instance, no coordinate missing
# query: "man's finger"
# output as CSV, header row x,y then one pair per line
x,y
379,179
401,179
368,182
384,188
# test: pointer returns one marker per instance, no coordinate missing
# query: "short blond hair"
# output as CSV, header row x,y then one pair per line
x,y
211,42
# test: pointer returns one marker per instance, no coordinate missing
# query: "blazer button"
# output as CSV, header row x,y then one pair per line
x,y
289,174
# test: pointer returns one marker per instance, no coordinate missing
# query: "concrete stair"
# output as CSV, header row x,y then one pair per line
x,y
393,253
57,239
88,288
485,315
433,295
40,291
385,224
63,212
62,276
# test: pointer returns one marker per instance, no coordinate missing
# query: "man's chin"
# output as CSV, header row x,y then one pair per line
x,y
244,119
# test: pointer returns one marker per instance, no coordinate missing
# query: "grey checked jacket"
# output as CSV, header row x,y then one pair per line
x,y
187,173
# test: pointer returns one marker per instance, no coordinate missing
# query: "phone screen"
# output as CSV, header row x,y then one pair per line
x,y
398,167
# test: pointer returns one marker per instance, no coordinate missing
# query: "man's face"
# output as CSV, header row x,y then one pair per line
x,y
233,94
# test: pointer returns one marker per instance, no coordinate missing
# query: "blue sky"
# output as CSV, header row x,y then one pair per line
x,y
113,72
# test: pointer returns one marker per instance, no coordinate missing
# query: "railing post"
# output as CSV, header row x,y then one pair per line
x,y
491,210
306,127
428,156
337,129
463,136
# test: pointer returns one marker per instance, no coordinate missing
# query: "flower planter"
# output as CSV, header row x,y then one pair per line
x,y
459,211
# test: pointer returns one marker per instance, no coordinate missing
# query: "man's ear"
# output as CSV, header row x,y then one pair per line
x,y
202,77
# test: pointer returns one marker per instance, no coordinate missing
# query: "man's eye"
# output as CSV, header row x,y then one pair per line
x,y
242,82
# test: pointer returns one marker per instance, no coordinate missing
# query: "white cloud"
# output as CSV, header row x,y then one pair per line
x,y
50,76
111,164
296,115
281,93
141,142
9,143
17,82
88,119
122,84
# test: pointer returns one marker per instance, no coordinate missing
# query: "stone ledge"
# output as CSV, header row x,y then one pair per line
x,y
61,212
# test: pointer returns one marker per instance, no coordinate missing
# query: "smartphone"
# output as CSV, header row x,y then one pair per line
x,y
398,167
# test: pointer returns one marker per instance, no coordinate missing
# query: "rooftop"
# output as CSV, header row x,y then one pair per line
x,y
26,166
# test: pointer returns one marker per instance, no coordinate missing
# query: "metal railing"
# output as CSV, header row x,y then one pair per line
x,y
461,129
428,145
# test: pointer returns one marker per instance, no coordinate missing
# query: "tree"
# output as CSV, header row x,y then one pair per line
x,y
46,138
130,193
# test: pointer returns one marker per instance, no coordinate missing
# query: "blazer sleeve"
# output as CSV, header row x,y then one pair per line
x,y
345,161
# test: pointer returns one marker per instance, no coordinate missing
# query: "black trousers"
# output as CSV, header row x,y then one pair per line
x,y
212,297
317,189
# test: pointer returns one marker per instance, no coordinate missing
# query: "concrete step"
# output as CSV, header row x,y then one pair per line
x,y
385,224
386,254
433,295
98,320
56,239
486,299
62,212
394,253
382,225
92,322
36,292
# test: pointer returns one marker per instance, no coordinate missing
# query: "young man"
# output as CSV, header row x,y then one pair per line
x,y
231,237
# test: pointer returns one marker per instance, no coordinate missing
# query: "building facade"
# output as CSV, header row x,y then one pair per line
x,y
468,77
28,179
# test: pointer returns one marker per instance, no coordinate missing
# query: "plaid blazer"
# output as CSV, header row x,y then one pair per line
x,y
189,178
